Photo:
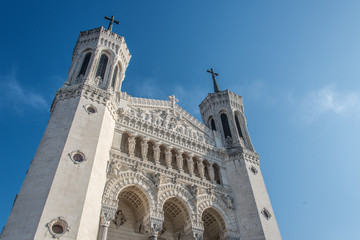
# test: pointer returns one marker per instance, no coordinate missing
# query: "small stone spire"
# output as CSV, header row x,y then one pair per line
x,y
112,21
213,74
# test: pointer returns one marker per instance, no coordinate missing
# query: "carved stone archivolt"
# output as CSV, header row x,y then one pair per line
x,y
158,192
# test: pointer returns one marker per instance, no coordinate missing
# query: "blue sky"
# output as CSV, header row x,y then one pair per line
x,y
296,63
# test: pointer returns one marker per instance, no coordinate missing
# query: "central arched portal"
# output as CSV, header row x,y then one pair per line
x,y
214,224
133,207
177,220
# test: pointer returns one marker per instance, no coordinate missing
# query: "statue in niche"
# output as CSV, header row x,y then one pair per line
x,y
156,153
190,165
179,161
157,179
119,218
144,149
168,158
115,168
195,190
132,142
172,124
229,202
201,169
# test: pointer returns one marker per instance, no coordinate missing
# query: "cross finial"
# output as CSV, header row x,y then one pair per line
x,y
112,21
214,74
173,101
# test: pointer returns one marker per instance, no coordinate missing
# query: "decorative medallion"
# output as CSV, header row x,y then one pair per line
x,y
266,213
77,157
58,227
253,170
90,109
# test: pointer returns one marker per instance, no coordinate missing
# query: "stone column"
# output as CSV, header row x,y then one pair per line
x,y
179,161
168,157
157,153
144,149
201,169
211,172
132,143
92,64
107,214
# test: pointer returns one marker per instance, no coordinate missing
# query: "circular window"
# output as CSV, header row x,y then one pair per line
x,y
253,170
77,157
90,109
266,213
58,227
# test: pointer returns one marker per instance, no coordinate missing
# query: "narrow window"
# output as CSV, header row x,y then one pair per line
x,y
212,122
85,64
114,77
225,124
238,126
102,66
217,174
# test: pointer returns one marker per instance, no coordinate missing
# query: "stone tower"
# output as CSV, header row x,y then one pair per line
x,y
65,182
112,166
223,111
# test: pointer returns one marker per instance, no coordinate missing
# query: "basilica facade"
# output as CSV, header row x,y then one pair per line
x,y
113,166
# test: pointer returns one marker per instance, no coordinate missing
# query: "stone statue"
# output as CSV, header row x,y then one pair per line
x,y
132,142
168,158
157,179
211,172
157,153
144,149
179,161
195,190
190,165
119,218
229,202
115,168
201,169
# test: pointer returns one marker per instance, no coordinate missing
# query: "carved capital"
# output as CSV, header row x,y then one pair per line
x,y
154,228
107,214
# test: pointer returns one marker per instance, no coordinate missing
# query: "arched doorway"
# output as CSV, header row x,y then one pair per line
x,y
177,221
129,219
214,224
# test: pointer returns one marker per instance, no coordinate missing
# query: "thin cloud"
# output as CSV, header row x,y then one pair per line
x,y
15,95
329,100
149,88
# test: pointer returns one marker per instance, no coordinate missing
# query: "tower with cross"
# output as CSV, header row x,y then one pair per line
x,y
113,166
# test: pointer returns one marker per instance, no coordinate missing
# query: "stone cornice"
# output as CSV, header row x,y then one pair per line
x,y
89,92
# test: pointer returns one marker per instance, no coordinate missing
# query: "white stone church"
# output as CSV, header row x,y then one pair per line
x,y
113,166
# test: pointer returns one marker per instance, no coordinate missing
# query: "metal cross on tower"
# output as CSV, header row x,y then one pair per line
x,y
214,74
112,21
